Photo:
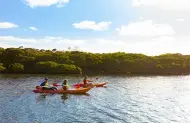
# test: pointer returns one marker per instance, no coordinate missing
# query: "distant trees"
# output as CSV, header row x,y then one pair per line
x,y
29,60
2,68
16,68
53,67
21,47
54,50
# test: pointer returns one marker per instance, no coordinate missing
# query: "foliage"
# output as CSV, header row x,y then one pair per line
x,y
53,67
2,68
16,68
29,60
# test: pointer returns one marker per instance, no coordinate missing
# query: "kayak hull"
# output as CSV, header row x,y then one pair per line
x,y
100,84
94,84
61,91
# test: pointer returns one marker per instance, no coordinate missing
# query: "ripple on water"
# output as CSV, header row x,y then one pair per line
x,y
125,100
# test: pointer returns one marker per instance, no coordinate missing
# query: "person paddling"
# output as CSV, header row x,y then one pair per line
x,y
86,82
65,85
45,85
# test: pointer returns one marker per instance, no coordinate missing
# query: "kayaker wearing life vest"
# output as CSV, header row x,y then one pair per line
x,y
65,85
45,85
86,81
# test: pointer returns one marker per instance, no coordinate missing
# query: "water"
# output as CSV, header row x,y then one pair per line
x,y
126,99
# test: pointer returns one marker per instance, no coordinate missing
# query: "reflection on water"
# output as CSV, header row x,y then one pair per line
x,y
64,97
41,97
126,99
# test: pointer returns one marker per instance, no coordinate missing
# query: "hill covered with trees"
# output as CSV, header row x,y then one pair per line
x,y
29,60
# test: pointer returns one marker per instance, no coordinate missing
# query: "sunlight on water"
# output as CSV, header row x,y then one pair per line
x,y
125,99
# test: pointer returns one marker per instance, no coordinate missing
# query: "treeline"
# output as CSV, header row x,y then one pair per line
x,y
29,60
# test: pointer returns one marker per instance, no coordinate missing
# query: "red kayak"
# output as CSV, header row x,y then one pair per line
x,y
73,91
94,84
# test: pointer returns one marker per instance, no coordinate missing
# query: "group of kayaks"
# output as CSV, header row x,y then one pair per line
x,y
79,89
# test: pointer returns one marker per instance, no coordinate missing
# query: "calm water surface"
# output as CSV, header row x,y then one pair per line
x,y
126,99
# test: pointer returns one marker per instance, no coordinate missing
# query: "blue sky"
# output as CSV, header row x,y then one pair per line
x,y
139,26
54,21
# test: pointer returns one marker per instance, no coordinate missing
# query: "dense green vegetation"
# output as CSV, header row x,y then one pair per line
x,y
28,60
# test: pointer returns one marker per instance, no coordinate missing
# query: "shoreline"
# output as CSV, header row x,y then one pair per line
x,y
101,74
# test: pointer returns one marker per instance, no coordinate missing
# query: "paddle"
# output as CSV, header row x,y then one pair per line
x,y
56,84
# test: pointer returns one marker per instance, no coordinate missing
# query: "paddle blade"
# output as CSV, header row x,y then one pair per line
x,y
38,87
77,86
55,84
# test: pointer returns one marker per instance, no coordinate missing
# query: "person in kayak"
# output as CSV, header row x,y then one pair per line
x,y
65,85
45,85
86,81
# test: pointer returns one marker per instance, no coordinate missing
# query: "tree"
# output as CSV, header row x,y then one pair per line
x,y
2,68
53,67
29,60
12,55
69,48
16,68
21,47
54,50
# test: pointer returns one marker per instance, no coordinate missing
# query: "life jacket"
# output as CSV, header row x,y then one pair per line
x,y
65,87
44,84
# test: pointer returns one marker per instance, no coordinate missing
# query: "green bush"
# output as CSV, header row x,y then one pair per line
x,y
53,67
2,68
16,68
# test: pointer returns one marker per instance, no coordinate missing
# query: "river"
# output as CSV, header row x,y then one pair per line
x,y
125,99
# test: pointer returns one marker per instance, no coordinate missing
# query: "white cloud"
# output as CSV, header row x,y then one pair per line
x,y
141,18
40,42
43,3
101,26
17,39
164,4
161,45
112,42
150,46
145,28
33,28
7,25
180,19
61,40
5,45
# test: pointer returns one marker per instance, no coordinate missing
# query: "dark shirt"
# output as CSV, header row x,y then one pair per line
x,y
42,84
85,81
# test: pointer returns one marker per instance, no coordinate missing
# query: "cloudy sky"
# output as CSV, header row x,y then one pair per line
x,y
150,27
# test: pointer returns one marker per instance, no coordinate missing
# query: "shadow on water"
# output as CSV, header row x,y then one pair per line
x,y
41,97
64,97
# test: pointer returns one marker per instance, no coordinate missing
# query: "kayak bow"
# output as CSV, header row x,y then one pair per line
x,y
94,84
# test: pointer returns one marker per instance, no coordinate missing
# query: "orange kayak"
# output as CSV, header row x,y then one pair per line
x,y
99,84
94,84
61,91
